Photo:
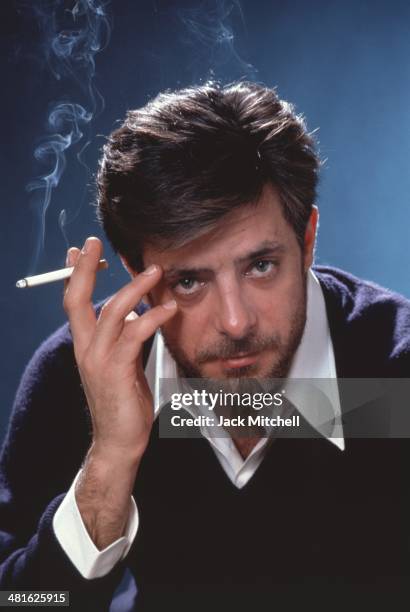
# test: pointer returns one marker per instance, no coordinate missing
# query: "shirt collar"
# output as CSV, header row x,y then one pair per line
x,y
314,359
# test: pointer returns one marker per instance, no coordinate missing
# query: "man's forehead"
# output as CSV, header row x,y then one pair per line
x,y
238,234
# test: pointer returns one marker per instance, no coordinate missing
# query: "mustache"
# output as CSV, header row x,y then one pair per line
x,y
231,347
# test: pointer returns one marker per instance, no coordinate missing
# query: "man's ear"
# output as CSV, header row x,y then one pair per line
x,y
310,237
133,274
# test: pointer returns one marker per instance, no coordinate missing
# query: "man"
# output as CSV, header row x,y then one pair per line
x,y
208,196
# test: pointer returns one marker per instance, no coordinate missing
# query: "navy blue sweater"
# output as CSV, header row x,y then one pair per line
x,y
50,433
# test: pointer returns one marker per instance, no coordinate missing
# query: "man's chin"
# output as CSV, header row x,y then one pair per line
x,y
249,380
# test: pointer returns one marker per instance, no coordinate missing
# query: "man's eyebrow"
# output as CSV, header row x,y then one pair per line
x,y
267,247
174,272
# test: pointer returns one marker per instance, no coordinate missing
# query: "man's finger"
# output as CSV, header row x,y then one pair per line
x,y
137,331
78,295
112,317
71,259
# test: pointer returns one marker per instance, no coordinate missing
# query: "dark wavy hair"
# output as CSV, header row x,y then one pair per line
x,y
189,157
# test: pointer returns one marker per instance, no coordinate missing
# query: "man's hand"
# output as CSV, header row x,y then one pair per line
x,y
108,352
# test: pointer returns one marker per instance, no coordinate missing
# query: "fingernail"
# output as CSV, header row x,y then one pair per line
x,y
170,305
68,258
150,270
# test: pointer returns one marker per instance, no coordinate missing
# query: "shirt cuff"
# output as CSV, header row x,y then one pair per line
x,y
73,537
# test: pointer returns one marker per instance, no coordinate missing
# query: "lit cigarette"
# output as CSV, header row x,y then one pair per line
x,y
51,277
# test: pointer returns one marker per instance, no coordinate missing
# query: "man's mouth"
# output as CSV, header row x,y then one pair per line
x,y
240,360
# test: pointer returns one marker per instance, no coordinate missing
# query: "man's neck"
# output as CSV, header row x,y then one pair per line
x,y
245,445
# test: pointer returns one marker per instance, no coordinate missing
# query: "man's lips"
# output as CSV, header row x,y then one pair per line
x,y
241,360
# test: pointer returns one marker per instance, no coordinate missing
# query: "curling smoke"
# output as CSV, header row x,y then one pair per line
x,y
209,31
72,34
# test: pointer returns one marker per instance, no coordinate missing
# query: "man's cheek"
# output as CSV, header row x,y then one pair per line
x,y
178,335
185,328
161,293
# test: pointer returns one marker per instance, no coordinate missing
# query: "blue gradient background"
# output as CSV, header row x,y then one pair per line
x,y
344,64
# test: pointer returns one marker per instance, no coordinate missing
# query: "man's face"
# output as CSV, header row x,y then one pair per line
x,y
241,294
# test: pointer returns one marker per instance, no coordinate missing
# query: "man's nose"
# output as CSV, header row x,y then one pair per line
x,y
235,317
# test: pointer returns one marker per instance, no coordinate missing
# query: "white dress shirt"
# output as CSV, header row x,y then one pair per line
x,y
314,359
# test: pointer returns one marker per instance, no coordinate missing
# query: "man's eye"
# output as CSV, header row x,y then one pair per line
x,y
262,267
187,286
